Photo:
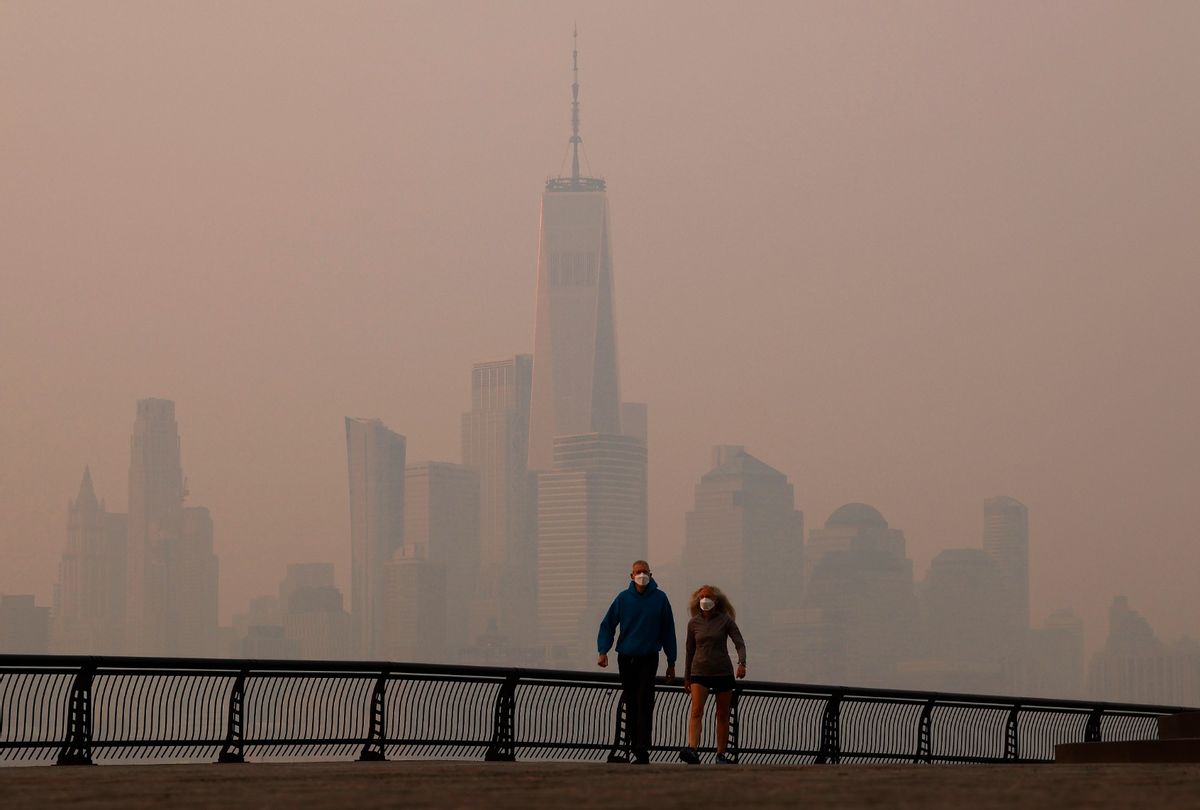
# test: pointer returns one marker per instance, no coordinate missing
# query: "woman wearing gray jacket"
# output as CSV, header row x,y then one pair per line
x,y
707,667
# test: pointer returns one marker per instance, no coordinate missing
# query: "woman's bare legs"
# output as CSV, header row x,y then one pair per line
x,y
696,715
724,700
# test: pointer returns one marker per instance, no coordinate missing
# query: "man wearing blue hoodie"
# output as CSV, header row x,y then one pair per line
x,y
643,613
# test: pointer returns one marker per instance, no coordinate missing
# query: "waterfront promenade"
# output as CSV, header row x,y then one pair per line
x,y
539,785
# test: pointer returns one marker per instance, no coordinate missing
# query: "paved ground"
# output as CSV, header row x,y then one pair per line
x,y
519,785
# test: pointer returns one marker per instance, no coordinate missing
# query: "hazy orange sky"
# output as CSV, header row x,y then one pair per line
x,y
914,254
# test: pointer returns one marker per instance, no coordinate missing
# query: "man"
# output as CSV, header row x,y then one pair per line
x,y
643,613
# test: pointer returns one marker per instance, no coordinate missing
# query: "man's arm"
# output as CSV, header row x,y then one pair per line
x,y
608,630
666,632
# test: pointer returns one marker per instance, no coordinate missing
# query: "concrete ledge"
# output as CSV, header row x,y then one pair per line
x,y
1187,750
1179,726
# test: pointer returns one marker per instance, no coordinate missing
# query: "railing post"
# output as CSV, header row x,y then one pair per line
x,y
1012,742
502,747
831,743
234,749
620,747
731,744
1092,732
374,750
924,734
77,747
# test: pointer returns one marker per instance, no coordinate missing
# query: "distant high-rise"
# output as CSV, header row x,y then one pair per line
x,y
24,627
89,599
575,383
313,612
745,536
155,494
414,596
859,592
495,442
1006,540
961,597
376,459
171,574
441,515
591,527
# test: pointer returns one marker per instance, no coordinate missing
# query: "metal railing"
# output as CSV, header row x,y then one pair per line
x,y
82,710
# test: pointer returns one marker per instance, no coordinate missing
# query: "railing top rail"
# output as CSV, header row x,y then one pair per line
x,y
234,666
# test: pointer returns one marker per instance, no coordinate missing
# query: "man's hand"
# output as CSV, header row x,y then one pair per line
x,y
670,674
602,661
741,671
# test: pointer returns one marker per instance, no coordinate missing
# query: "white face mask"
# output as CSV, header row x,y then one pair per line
x,y
707,604
642,580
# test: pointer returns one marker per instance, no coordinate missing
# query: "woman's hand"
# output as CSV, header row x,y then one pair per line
x,y
687,683
741,671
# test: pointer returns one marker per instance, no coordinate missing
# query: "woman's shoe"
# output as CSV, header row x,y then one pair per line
x,y
689,756
722,759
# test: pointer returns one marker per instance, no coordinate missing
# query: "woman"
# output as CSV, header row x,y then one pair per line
x,y
707,667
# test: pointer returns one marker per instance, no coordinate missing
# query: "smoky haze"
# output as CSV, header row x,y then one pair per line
x,y
913,255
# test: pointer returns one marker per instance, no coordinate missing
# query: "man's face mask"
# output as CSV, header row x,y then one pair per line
x,y
642,579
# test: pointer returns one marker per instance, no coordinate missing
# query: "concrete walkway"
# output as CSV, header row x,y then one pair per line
x,y
534,786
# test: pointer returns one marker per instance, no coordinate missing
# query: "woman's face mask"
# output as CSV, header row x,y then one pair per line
x,y
642,579
707,604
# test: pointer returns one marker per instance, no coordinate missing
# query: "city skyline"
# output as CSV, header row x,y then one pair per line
x,y
1045,365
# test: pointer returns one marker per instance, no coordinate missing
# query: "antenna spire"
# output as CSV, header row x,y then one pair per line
x,y
575,139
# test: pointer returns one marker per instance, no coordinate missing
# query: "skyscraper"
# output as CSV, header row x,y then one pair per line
x,y
495,442
376,458
1006,541
745,535
155,493
89,599
575,384
441,515
859,591
591,526
171,579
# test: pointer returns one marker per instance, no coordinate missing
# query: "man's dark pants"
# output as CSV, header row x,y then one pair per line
x,y
637,682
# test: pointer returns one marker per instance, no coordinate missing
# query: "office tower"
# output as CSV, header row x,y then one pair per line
x,y
24,627
961,596
859,591
495,442
414,596
89,599
171,579
314,615
1006,540
376,458
441,514
155,493
591,527
1054,665
575,386
745,536
191,610
958,602
1136,667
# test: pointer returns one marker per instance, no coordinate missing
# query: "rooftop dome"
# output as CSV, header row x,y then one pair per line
x,y
856,514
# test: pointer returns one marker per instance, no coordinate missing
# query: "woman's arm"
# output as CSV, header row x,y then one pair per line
x,y
739,643
690,653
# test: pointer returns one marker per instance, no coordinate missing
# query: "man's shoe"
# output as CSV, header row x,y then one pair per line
x,y
689,756
641,759
722,759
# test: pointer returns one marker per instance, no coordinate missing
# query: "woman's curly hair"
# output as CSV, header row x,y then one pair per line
x,y
723,604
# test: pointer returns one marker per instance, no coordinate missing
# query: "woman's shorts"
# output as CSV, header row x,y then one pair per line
x,y
715,683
